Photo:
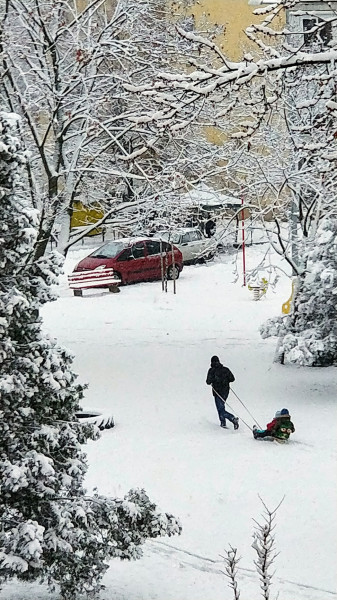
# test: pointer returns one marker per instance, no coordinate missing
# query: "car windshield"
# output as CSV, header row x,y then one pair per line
x,y
163,235
109,250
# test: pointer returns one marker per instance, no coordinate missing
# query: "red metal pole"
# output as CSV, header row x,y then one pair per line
x,y
243,243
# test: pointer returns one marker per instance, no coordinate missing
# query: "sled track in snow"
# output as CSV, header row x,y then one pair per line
x,y
203,563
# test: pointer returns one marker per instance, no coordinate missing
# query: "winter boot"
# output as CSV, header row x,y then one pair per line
x,y
255,433
223,425
236,423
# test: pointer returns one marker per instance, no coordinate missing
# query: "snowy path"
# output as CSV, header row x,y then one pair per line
x,y
145,355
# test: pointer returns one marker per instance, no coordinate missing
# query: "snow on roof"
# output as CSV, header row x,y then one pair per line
x,y
205,195
11,117
176,230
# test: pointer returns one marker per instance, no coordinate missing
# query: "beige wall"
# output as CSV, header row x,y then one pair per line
x,y
234,15
81,4
108,6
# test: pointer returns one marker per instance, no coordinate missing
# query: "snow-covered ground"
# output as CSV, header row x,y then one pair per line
x,y
145,355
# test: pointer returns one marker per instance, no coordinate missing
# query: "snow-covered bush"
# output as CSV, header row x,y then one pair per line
x,y
271,327
309,334
50,529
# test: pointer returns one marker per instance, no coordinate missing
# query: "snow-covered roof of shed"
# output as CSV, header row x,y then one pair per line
x,y
206,196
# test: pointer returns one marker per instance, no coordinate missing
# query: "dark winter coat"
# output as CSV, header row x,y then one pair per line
x,y
219,377
210,228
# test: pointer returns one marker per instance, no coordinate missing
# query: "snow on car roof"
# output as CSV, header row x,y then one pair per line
x,y
128,240
178,230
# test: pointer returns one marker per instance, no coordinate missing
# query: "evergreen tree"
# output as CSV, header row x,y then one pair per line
x,y
309,334
50,529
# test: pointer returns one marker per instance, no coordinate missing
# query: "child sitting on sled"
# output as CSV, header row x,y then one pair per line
x,y
279,428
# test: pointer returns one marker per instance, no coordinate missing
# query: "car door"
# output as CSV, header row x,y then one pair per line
x,y
207,245
186,247
123,265
197,243
153,258
138,266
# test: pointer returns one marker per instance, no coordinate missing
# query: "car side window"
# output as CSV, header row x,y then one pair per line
x,y
195,236
175,238
138,250
166,247
153,247
185,238
125,255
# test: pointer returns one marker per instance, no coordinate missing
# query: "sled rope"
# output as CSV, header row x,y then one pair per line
x,y
250,414
225,402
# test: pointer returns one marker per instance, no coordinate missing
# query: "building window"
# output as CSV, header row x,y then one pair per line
x,y
321,36
301,27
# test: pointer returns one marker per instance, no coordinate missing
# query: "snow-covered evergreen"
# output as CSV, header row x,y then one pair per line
x,y
50,529
309,333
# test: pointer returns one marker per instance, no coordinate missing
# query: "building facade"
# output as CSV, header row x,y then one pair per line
x,y
234,15
302,24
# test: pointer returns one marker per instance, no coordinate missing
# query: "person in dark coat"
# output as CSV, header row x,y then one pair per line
x,y
210,228
219,377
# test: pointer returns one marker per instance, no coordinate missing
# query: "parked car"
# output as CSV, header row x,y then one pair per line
x,y
191,243
135,259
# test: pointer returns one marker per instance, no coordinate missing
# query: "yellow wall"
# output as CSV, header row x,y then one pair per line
x,y
108,6
235,15
85,215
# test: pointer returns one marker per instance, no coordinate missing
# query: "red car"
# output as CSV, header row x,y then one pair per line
x,y
135,259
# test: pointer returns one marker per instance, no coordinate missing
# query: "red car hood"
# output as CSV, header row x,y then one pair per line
x,y
87,264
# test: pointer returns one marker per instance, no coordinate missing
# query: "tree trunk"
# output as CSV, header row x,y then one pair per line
x,y
63,237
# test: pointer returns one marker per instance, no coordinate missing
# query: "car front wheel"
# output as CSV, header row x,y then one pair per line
x,y
118,276
173,272
210,256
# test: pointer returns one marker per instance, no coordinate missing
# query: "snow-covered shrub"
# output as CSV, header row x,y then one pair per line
x,y
309,334
50,529
272,327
